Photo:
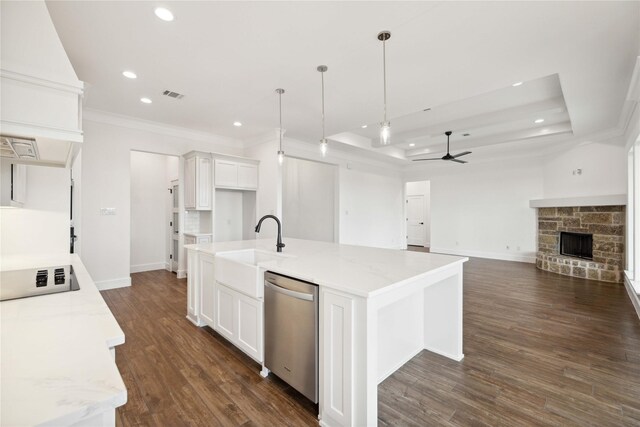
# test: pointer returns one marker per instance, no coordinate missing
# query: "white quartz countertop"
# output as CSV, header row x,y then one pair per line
x,y
197,234
357,270
56,367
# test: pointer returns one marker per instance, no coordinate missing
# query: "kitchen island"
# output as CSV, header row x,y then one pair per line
x,y
378,308
58,354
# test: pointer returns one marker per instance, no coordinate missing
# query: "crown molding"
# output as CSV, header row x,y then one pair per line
x,y
158,128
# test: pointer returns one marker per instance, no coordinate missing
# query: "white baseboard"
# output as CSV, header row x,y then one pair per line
x,y
181,274
635,298
391,370
148,267
113,284
524,257
456,357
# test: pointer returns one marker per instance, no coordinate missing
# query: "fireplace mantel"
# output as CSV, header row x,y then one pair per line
x,y
609,200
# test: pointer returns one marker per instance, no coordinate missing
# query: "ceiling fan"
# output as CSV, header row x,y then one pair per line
x,y
448,156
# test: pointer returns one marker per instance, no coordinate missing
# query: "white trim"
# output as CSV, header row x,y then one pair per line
x,y
139,268
605,200
456,357
159,128
523,257
181,274
104,285
76,88
633,296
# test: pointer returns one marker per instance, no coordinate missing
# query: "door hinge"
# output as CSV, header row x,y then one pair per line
x,y
170,256
170,223
170,190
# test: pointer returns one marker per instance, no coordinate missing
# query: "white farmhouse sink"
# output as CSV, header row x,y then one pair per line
x,y
239,270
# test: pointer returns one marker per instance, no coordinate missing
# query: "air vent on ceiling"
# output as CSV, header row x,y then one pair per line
x,y
172,94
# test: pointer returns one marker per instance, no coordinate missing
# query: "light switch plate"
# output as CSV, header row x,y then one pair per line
x,y
107,211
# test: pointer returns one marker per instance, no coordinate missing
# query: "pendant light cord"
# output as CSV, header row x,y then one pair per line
x,y
322,75
280,129
384,75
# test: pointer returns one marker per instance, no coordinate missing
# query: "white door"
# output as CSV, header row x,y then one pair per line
x,y
416,231
174,226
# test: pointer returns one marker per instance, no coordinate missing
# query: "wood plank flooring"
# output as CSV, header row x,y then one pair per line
x,y
540,349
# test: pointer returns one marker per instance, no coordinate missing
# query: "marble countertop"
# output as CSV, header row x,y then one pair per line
x,y
196,234
56,367
357,270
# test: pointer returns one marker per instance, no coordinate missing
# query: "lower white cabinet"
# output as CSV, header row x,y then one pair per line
x,y
189,240
239,318
203,239
207,297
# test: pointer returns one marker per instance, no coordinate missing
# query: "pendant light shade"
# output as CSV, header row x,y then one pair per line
x,y
385,125
280,151
323,141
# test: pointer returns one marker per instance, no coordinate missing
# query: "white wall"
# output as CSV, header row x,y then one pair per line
x,y
604,171
371,209
309,200
41,226
106,183
480,209
423,188
150,215
228,216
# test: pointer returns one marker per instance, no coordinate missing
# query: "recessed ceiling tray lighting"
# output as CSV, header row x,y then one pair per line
x,y
237,124
146,100
538,121
129,74
516,84
164,14
412,145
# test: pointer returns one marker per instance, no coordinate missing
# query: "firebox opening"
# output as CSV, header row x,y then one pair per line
x,y
578,245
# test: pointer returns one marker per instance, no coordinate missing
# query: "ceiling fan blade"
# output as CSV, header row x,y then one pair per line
x,y
458,161
421,160
461,154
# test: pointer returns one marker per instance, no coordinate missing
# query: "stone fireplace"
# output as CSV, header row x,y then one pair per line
x,y
605,225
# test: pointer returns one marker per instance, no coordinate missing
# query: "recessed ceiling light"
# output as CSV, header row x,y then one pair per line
x,y
538,121
516,84
364,126
412,145
146,100
164,14
130,74
237,124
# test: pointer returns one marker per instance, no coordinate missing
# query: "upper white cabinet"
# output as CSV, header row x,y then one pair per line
x,y
198,191
236,175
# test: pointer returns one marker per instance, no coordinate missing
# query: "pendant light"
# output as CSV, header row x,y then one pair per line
x,y
280,151
323,141
385,126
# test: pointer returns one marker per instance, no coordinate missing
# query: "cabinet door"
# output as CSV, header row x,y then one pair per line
x,y
226,174
249,325
247,176
189,240
203,239
192,287
203,183
224,312
207,293
190,183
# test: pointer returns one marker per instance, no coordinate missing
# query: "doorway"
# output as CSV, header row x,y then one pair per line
x,y
418,213
152,211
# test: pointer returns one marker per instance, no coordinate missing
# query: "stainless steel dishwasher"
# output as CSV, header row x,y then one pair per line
x,y
291,332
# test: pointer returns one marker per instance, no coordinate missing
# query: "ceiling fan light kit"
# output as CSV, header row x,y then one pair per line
x,y
447,156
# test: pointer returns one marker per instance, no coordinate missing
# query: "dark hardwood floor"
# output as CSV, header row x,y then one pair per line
x,y
540,349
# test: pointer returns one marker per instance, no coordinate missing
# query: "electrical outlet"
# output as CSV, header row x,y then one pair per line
x,y
107,211
507,247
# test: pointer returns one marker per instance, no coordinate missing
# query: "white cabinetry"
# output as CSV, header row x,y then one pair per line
x,y
198,191
238,175
239,319
207,281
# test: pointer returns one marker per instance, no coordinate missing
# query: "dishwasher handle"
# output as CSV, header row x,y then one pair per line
x,y
289,292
